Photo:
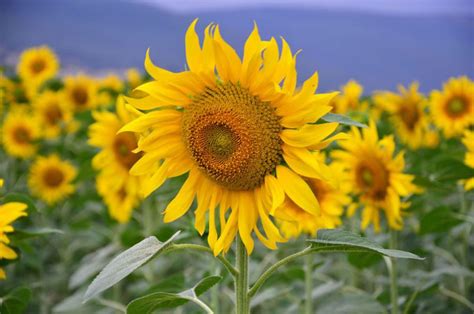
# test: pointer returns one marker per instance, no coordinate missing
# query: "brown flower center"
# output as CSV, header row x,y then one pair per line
x,y
232,136
53,114
80,96
409,115
123,145
373,178
37,66
22,135
53,177
456,107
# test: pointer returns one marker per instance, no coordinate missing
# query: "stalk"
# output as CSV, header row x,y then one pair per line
x,y
308,276
393,274
242,279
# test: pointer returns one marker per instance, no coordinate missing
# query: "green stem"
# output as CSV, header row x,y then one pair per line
x,y
308,276
242,280
393,274
188,246
261,280
202,305
215,290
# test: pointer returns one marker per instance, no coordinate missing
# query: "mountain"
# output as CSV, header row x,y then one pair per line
x,y
380,51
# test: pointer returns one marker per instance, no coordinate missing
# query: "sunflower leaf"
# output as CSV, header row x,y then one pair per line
x,y
22,234
125,263
158,300
334,240
16,301
334,117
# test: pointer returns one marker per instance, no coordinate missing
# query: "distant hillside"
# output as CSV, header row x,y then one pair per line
x,y
380,51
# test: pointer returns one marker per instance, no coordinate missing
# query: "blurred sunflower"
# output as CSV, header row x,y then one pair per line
x,y
119,189
54,116
134,77
108,89
468,141
9,212
20,132
229,123
407,111
332,197
80,93
14,92
376,176
349,99
453,107
37,65
50,178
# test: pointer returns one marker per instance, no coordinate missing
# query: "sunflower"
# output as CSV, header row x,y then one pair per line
x,y
9,212
468,141
407,112
332,197
134,77
108,89
119,189
349,99
14,91
37,65
80,93
453,107
50,178
20,132
229,124
54,116
376,176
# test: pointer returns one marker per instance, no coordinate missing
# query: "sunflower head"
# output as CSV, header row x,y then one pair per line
x,y
80,93
239,129
37,65
453,107
20,131
407,112
50,178
120,190
332,197
9,212
349,99
52,113
376,175
468,141
134,77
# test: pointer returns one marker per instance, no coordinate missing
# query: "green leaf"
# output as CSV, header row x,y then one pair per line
x,y
451,170
334,240
90,265
15,302
440,219
158,300
333,117
363,260
33,233
125,263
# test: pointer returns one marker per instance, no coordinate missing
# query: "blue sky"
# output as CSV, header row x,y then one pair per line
x,y
398,7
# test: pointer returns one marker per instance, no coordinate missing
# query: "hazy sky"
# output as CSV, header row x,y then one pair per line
x,y
382,6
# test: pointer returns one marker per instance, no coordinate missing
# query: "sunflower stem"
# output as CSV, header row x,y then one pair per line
x,y
308,277
393,274
242,279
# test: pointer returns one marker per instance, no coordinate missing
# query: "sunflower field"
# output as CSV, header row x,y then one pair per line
x,y
229,187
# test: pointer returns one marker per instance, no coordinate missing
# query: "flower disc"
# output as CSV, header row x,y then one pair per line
x,y
232,136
